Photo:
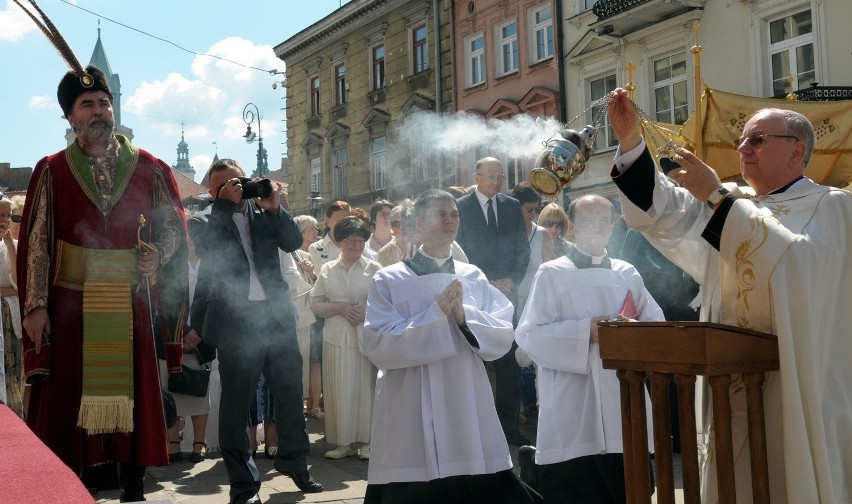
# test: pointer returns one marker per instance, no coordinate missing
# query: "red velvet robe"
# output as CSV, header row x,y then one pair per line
x,y
55,401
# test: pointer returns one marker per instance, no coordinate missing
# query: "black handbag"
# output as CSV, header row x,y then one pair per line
x,y
191,382
169,410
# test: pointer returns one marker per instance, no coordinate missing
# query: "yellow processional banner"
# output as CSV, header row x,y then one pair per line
x,y
724,115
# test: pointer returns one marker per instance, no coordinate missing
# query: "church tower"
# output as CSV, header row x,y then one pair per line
x,y
99,59
182,164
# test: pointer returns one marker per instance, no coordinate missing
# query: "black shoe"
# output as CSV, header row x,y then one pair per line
x,y
197,457
131,496
526,459
178,455
303,480
132,483
241,499
517,439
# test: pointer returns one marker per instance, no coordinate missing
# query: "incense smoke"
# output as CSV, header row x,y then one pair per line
x,y
522,136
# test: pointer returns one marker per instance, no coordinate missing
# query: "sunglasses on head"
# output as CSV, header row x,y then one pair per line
x,y
551,223
758,137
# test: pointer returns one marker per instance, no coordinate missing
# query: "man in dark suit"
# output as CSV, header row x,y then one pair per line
x,y
493,235
246,312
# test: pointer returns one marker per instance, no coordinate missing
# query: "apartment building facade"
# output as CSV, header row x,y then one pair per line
x,y
506,64
352,78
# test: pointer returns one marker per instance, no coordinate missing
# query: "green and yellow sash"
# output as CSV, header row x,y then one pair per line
x,y
106,278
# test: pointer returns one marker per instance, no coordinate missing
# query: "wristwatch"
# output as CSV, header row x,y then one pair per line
x,y
717,196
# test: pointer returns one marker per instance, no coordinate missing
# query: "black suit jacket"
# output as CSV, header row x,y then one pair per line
x,y
506,256
221,295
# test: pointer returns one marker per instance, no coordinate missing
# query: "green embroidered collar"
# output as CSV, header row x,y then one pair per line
x,y
78,163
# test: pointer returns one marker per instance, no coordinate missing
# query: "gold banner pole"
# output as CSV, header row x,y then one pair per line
x,y
697,88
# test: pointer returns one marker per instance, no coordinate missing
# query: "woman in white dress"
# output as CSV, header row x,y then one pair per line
x,y
300,275
340,297
11,348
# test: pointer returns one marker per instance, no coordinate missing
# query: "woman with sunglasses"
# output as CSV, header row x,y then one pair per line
x,y
18,201
554,220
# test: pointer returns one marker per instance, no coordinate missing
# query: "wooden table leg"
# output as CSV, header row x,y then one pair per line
x,y
639,426
627,436
720,385
661,410
688,440
757,437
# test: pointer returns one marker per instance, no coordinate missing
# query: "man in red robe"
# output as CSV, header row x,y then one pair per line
x,y
97,307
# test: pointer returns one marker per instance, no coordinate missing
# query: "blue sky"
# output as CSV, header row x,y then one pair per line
x,y
161,85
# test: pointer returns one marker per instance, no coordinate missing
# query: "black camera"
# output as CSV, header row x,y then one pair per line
x,y
252,188
256,188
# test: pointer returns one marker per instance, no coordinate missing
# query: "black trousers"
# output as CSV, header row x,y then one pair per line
x,y
508,392
507,383
594,479
503,487
260,344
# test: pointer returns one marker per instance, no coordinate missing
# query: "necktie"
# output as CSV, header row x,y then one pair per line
x,y
492,218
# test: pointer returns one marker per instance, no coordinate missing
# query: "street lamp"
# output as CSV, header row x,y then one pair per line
x,y
250,116
316,202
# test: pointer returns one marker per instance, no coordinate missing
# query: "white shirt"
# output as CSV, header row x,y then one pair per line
x,y
483,202
535,239
256,292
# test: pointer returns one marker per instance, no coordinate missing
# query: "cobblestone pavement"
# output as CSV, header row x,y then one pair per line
x,y
345,480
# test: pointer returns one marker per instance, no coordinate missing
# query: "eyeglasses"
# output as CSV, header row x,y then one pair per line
x,y
551,223
395,224
757,138
491,178
355,240
17,218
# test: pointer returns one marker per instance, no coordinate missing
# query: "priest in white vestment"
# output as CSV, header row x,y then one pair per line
x,y
579,442
430,323
773,256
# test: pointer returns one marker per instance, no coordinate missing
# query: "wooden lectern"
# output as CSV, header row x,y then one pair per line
x,y
663,351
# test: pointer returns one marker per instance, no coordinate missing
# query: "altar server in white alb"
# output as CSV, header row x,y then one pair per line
x,y
773,256
430,323
579,447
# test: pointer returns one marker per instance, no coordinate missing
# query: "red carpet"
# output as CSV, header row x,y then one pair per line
x,y
29,471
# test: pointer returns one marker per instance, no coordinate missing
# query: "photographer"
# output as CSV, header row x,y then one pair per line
x,y
243,307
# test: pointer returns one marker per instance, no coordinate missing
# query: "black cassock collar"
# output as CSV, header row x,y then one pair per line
x,y
583,261
422,265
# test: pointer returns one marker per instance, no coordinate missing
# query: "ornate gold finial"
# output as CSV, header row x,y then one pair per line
x,y
144,246
631,87
696,28
791,96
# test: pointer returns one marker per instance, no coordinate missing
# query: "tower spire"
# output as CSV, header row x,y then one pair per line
x,y
182,164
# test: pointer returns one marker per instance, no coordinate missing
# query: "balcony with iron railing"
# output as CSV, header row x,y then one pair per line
x,y
824,93
619,17
605,9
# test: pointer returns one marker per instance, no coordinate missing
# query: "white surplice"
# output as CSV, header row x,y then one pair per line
x,y
579,400
783,268
434,413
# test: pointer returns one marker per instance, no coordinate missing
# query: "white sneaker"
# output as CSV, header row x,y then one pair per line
x,y
341,452
364,452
